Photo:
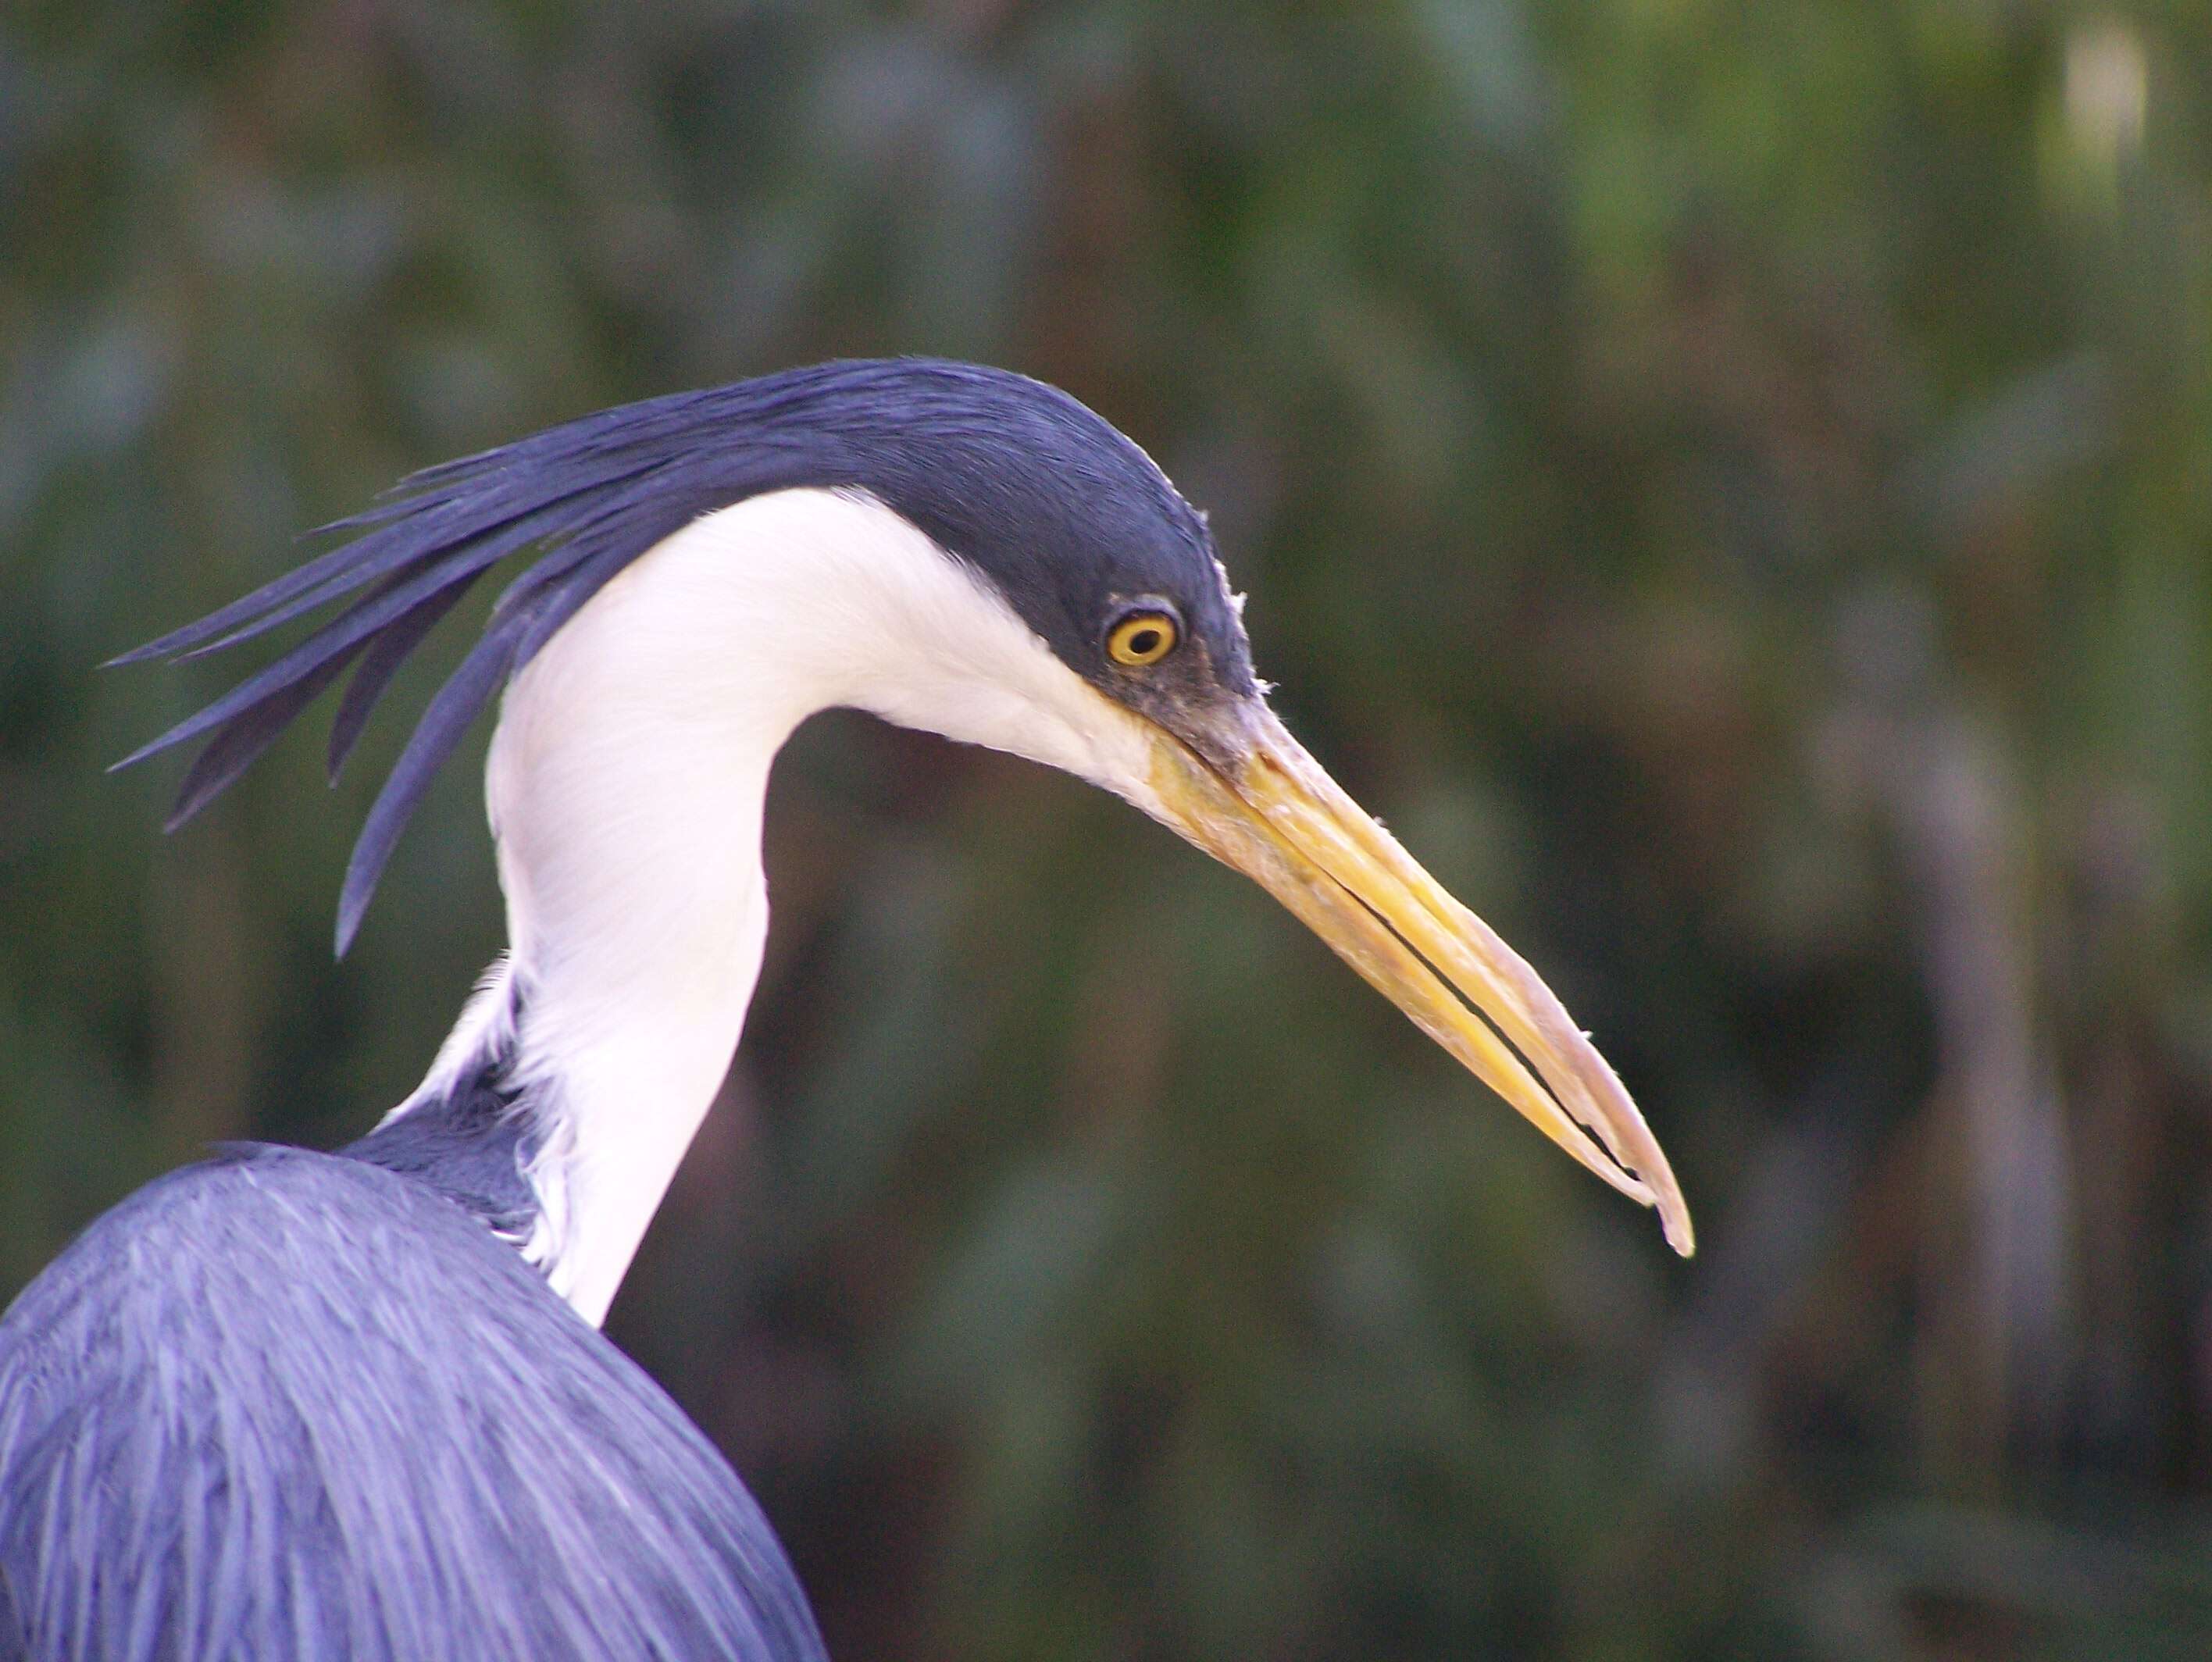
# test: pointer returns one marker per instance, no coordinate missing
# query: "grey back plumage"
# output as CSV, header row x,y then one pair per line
x,y
287,1404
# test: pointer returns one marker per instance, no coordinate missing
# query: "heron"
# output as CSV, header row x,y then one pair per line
x,y
289,1404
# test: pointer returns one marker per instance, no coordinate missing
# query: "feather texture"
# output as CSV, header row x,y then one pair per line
x,y
292,1404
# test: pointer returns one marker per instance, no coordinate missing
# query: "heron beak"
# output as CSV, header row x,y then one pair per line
x,y
1278,817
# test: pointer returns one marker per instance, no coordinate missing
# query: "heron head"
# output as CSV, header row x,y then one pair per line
x,y
1116,578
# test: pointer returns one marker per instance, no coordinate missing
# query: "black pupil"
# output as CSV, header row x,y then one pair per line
x,y
1144,642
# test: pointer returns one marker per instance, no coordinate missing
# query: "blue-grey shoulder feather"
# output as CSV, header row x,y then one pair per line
x,y
290,1405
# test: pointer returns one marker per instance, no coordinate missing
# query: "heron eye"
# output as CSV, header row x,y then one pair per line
x,y
1142,638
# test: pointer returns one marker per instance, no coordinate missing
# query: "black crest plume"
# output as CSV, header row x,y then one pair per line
x,y
590,497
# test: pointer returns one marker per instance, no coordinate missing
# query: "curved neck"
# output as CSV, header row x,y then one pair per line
x,y
625,786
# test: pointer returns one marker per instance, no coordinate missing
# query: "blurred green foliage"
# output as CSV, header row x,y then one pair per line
x,y
1731,482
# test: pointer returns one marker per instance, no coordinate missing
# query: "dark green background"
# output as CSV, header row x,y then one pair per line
x,y
1730,483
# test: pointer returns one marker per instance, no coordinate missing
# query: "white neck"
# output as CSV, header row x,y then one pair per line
x,y
625,784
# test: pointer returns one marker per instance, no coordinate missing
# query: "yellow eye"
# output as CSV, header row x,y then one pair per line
x,y
1142,638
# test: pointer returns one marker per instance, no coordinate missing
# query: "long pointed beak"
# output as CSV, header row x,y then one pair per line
x,y
1279,818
